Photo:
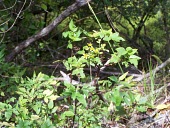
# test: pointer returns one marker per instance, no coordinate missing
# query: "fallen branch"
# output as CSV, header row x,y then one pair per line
x,y
66,78
45,31
140,78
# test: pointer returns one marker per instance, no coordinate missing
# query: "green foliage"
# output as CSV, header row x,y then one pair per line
x,y
27,102
32,102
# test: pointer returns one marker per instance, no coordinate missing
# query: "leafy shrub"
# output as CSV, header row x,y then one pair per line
x,y
32,102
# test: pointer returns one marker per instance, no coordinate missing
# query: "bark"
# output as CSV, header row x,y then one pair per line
x,y
45,31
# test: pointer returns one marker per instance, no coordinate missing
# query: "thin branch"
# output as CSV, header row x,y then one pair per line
x,y
9,7
45,31
154,71
15,18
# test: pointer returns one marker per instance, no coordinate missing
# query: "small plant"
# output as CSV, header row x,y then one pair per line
x,y
120,97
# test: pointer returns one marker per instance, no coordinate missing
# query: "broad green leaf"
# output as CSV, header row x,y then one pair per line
x,y
2,105
68,113
22,89
36,109
113,78
79,71
127,99
81,52
46,99
53,97
114,58
121,51
116,37
50,104
8,114
131,51
81,98
106,38
141,108
72,26
2,94
133,61
43,6
47,92
117,99
78,33
65,34
54,109
128,49
134,57
70,46
34,117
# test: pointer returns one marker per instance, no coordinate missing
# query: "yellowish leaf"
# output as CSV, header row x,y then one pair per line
x,y
111,107
163,106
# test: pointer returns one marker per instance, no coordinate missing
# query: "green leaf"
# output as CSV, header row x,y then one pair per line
x,y
129,79
47,124
72,26
116,37
79,71
46,99
113,78
134,62
34,117
114,58
121,51
81,98
23,124
141,108
8,114
2,105
117,99
81,52
65,34
22,89
47,92
53,97
68,113
106,38
54,109
122,77
70,46
43,6
134,57
36,108
143,100
50,104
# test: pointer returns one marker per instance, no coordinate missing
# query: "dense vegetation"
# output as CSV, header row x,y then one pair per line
x,y
84,63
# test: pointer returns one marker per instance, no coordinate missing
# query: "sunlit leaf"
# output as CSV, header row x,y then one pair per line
x,y
47,92
34,117
50,104
111,107
68,113
122,77
121,51
72,26
162,106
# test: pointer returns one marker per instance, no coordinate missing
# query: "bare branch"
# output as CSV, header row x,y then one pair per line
x,y
154,71
45,31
